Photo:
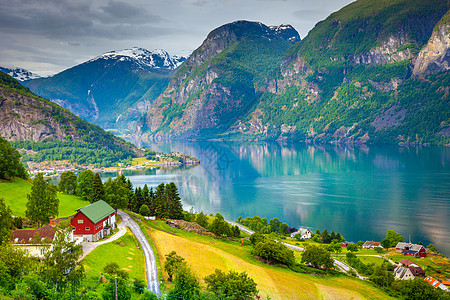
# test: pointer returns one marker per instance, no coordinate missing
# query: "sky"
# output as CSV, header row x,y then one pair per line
x,y
49,36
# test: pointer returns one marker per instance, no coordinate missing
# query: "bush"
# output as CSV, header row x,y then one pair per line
x,y
274,252
111,268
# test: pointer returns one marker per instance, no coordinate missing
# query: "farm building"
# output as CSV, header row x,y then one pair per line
x,y
94,221
411,249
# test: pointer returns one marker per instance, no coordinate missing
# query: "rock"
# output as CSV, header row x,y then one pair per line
x,y
435,56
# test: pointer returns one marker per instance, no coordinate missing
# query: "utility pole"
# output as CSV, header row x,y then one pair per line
x,y
115,280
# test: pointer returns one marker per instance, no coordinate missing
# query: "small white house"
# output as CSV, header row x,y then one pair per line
x,y
304,233
403,273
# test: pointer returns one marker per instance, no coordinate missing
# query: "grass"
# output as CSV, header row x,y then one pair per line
x,y
205,254
15,194
123,252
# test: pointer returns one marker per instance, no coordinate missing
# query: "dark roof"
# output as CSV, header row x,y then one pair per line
x,y
26,236
97,211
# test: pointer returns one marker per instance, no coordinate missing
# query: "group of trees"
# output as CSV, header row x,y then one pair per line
x,y
219,285
326,238
391,239
257,223
10,165
164,202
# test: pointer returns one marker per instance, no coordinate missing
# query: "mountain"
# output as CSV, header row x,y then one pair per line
x,y
220,82
113,89
19,73
47,126
372,72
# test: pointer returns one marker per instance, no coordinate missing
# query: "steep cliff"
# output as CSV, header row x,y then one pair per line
x,y
220,81
435,56
350,80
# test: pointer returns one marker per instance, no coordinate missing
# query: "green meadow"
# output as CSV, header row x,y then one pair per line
x,y
15,194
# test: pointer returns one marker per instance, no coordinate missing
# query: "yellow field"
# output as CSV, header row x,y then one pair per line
x,y
204,255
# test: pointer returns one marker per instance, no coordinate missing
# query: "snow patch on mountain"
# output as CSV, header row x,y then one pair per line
x,y
19,73
287,32
158,59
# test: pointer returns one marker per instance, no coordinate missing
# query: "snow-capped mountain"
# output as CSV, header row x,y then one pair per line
x,y
287,32
19,73
157,59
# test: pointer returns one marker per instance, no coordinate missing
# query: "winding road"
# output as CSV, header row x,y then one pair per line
x,y
150,260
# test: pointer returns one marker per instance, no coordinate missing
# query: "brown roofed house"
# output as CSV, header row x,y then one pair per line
x,y
371,245
34,241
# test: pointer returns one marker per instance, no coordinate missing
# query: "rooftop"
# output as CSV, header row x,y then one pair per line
x,y
97,211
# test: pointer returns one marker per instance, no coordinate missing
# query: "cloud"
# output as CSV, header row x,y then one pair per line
x,y
68,18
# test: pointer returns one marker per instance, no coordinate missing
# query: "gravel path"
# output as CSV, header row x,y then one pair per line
x,y
152,271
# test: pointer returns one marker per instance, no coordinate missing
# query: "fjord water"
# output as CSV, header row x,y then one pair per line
x,y
359,191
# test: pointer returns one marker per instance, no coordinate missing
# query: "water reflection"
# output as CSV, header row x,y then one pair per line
x,y
358,191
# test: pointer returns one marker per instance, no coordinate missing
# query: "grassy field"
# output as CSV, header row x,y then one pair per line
x,y
123,252
205,254
15,195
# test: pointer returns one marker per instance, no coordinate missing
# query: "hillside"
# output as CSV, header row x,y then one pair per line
x,y
35,123
220,82
351,79
112,89
372,72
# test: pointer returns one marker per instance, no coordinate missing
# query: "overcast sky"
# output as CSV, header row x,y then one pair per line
x,y
48,36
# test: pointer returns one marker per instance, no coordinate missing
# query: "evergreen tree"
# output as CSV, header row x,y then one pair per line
x,y
84,186
151,202
175,208
160,201
98,192
144,210
42,202
68,182
145,195
5,222
138,200
10,165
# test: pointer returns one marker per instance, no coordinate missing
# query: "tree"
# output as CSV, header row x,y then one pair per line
x,y
431,247
220,227
98,192
175,208
68,182
144,210
42,202
186,284
111,268
319,257
62,265
10,165
419,289
172,263
257,237
352,247
5,222
381,276
233,285
202,220
84,185
123,290
393,238
326,238
116,193
160,201
274,252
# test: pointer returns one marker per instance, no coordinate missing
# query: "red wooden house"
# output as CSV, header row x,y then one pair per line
x,y
411,249
94,221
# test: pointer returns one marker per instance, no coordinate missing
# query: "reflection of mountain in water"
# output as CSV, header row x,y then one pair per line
x,y
358,191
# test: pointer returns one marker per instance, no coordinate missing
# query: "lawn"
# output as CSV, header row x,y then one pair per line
x,y
15,195
123,252
205,254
